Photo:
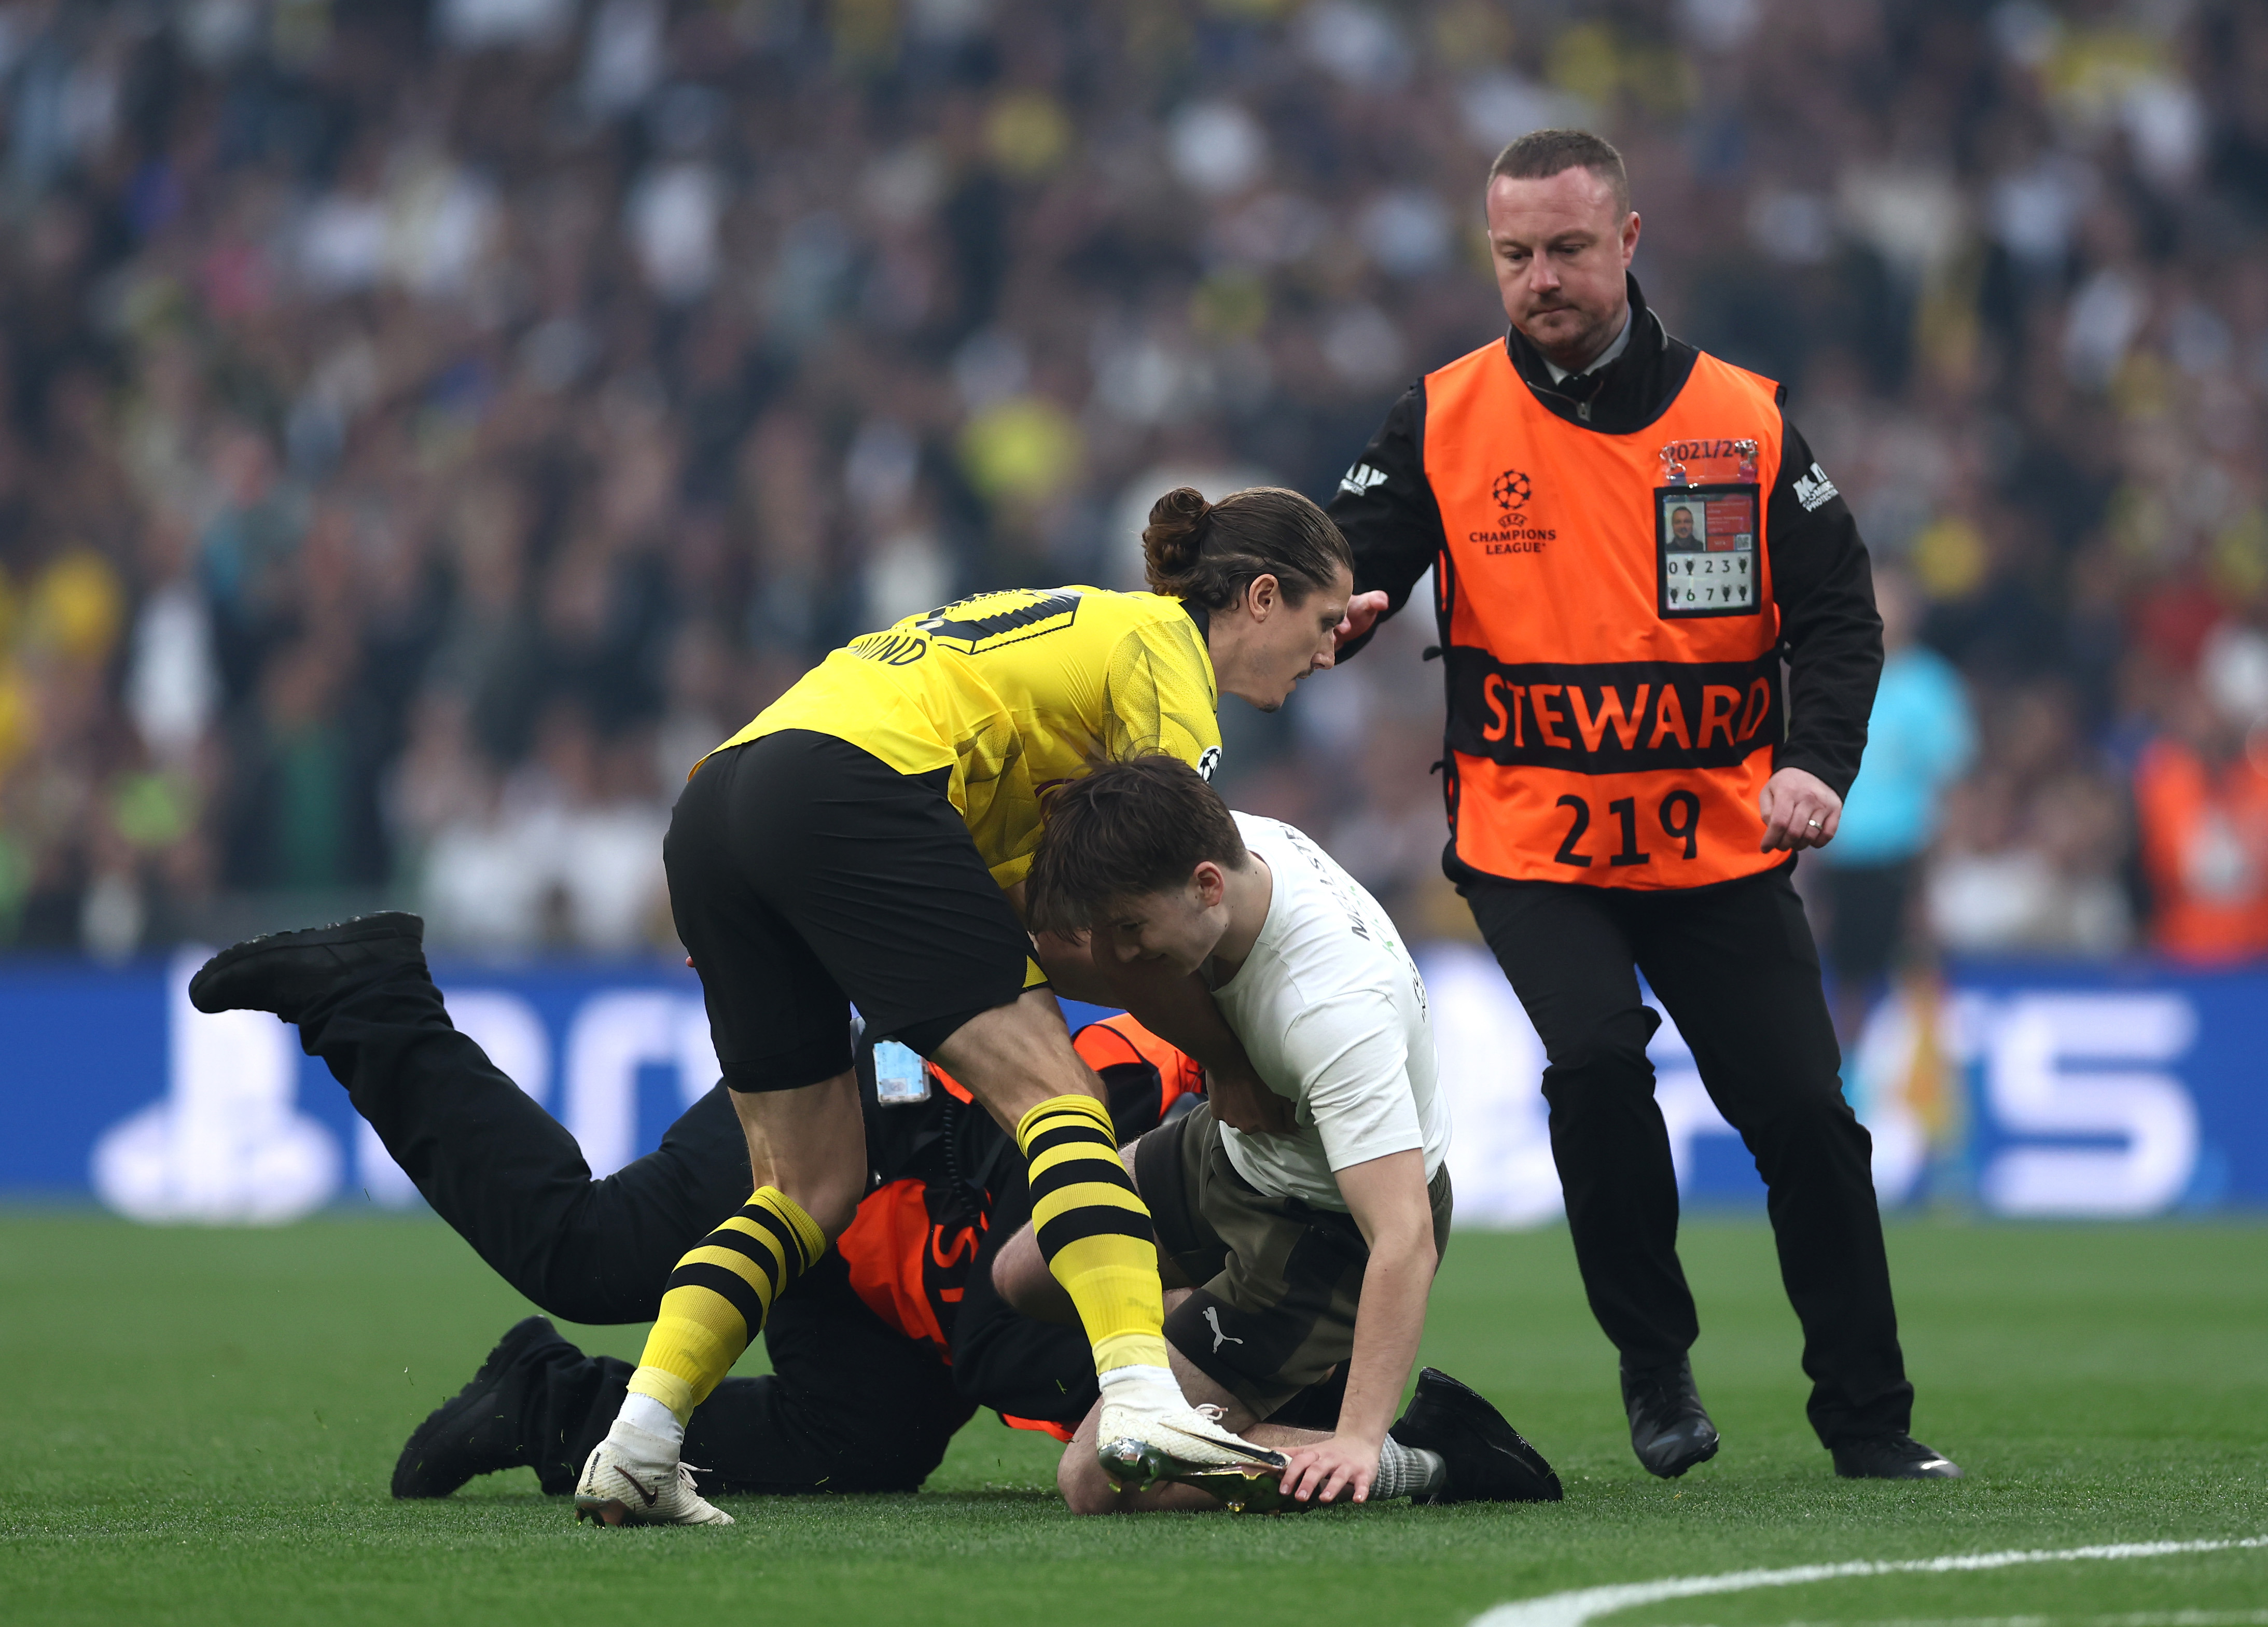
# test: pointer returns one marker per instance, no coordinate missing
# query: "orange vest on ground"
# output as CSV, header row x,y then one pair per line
x,y
1111,1042
1120,1039
1611,643
904,1264
908,1268
2205,846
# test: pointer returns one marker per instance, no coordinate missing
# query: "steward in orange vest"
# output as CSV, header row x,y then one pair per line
x,y
2204,820
1627,541
1614,711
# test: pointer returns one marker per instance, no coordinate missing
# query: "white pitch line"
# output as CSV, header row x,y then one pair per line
x,y
1572,1609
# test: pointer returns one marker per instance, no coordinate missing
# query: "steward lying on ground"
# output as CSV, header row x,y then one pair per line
x,y
880,1354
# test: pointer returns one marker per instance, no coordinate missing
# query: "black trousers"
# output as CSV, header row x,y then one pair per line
x,y
1735,964
852,1404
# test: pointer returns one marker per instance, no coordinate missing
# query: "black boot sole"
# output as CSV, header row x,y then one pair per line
x,y
1485,1458
410,1481
210,992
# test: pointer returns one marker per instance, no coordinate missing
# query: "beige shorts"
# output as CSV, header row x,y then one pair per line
x,y
1278,1279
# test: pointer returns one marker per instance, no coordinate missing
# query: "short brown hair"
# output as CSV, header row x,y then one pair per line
x,y
1540,153
1209,553
1125,830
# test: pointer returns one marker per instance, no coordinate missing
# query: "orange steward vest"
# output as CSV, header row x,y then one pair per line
x,y
1111,1042
892,1270
1610,639
2205,846
1120,1039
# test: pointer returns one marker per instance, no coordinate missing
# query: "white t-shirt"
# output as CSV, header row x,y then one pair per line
x,y
1332,1012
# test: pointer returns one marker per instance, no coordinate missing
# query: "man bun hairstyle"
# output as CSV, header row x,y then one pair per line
x,y
1542,153
1125,830
1210,553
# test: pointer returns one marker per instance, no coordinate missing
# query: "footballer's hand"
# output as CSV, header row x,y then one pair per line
x,y
1243,1103
1362,613
1798,811
1338,1469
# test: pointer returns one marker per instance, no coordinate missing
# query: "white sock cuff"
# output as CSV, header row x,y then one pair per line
x,y
1142,1386
1136,1374
648,1416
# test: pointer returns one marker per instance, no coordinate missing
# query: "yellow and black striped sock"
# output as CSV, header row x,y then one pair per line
x,y
1095,1230
718,1296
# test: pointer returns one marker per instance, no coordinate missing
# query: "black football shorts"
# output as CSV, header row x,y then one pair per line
x,y
807,876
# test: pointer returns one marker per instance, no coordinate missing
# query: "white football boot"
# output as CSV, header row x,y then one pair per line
x,y
1139,1443
634,1479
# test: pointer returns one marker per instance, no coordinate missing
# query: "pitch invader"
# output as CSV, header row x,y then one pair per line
x,y
1301,1253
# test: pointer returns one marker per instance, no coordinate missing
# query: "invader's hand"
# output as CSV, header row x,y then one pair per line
x,y
1340,1467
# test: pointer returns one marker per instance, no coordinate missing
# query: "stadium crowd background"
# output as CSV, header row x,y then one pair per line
x,y
423,430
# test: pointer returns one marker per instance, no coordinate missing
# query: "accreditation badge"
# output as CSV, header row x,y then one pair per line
x,y
1705,541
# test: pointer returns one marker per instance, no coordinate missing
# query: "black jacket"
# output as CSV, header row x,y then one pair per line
x,y
1830,636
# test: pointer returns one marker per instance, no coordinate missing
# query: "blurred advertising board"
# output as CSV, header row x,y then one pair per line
x,y
2022,1091
2010,1090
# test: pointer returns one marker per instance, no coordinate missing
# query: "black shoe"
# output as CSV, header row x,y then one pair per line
x,y
287,972
1485,1458
476,1431
1892,1457
1670,1430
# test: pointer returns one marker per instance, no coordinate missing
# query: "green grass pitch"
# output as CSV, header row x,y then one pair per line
x,y
199,1426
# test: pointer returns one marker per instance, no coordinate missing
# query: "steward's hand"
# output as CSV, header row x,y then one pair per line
x,y
1362,613
1798,811
1244,1103
1323,1471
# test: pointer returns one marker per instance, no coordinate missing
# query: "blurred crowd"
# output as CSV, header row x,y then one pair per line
x,y
426,427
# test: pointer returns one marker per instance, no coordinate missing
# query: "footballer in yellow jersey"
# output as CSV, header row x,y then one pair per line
x,y
860,843
1011,692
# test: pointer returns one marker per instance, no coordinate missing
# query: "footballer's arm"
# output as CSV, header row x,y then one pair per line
x,y
1388,1200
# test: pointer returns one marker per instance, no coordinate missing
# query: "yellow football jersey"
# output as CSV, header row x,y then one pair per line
x,y
1014,691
